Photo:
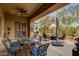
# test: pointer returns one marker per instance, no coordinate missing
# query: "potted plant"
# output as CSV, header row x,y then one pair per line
x,y
77,44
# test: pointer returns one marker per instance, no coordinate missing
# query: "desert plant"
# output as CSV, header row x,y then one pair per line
x,y
72,31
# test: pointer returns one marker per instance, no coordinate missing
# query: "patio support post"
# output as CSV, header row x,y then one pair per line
x,y
28,25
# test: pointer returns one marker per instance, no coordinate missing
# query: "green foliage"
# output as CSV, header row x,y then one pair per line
x,y
72,31
66,18
45,23
68,31
62,30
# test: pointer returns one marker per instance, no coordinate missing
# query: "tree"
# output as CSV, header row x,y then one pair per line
x,y
46,22
66,19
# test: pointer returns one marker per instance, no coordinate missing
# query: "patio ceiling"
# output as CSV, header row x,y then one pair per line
x,y
12,8
32,9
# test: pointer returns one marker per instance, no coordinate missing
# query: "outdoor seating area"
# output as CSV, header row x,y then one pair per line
x,y
25,47
38,29
29,48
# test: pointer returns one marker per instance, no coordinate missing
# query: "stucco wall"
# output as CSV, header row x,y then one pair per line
x,y
10,22
31,29
2,27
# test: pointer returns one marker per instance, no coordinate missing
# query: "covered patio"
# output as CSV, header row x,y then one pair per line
x,y
17,19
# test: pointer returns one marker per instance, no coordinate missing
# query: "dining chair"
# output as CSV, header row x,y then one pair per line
x,y
37,40
12,47
41,50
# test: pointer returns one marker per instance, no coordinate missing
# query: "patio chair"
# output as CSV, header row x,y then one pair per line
x,y
12,48
53,37
41,50
15,41
37,40
61,37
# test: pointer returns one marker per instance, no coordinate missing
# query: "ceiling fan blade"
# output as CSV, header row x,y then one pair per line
x,y
22,11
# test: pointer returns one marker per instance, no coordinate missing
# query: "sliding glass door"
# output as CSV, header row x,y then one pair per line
x,y
20,29
17,29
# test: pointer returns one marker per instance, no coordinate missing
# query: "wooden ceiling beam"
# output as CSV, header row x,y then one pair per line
x,y
50,10
41,9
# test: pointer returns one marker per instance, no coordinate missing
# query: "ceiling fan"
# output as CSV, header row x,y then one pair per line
x,y
22,11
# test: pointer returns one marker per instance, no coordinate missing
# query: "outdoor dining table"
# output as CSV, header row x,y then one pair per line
x,y
26,48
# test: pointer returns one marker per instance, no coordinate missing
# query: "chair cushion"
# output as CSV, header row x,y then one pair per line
x,y
37,42
43,54
37,51
14,48
41,50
